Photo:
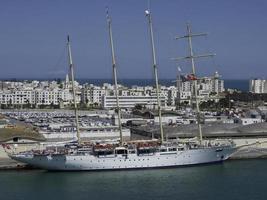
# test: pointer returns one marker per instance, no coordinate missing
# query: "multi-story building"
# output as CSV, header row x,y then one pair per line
x,y
91,94
131,101
258,86
206,86
37,93
53,97
17,97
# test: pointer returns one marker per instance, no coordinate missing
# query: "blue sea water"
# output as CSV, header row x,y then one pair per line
x,y
232,180
242,85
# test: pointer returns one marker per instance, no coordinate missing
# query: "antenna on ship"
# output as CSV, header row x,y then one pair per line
x,y
73,90
192,57
114,69
154,65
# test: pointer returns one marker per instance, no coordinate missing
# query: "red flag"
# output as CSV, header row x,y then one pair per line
x,y
191,77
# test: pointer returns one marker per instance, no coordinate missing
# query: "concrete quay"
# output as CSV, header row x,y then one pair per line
x,y
8,164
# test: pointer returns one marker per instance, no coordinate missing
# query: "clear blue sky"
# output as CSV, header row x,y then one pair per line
x,y
33,37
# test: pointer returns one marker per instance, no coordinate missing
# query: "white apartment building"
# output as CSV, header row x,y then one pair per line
x,y
35,97
258,86
54,93
53,96
211,84
172,95
17,97
92,94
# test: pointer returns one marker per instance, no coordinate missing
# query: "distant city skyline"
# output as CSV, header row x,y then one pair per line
x,y
33,38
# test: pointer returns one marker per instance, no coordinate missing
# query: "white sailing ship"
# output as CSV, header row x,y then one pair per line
x,y
133,154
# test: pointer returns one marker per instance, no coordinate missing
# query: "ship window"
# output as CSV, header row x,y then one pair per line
x,y
132,151
121,151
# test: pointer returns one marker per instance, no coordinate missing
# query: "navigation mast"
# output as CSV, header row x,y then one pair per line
x,y
192,57
73,90
154,65
178,85
114,69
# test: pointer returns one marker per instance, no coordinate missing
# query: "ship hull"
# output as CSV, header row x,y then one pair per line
x,y
123,162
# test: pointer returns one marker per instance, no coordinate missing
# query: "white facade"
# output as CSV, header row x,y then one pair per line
x,y
35,97
17,97
55,93
131,101
48,97
247,121
206,86
258,86
92,94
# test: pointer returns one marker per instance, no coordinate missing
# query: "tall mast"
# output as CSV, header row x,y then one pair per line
x,y
114,69
178,85
192,59
194,81
73,89
154,65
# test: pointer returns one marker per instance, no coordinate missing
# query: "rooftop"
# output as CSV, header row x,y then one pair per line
x,y
209,130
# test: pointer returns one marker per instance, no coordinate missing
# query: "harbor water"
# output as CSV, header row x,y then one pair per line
x,y
241,179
